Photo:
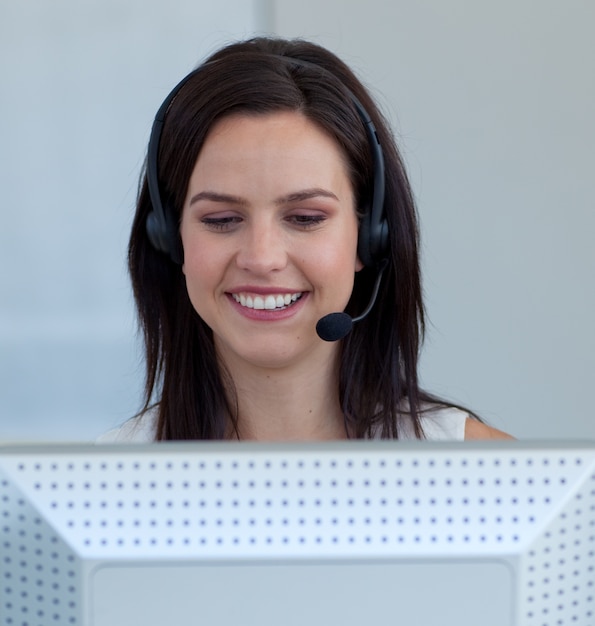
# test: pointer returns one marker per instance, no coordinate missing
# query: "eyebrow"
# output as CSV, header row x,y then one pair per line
x,y
214,196
306,194
296,196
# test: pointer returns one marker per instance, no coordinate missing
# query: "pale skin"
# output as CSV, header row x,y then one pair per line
x,y
269,232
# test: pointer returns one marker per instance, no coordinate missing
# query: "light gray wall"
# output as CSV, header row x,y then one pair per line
x,y
493,105
81,81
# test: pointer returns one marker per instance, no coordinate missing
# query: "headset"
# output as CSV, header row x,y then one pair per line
x,y
162,225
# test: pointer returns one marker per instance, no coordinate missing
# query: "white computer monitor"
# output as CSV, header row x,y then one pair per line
x,y
347,533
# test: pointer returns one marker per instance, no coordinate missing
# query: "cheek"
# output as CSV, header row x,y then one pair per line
x,y
201,257
336,260
202,270
351,235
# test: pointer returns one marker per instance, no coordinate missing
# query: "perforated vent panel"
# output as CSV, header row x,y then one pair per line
x,y
40,581
533,508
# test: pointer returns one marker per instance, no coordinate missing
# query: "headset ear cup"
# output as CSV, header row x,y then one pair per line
x,y
164,236
156,231
373,241
381,241
363,242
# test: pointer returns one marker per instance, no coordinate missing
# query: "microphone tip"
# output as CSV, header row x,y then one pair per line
x,y
334,326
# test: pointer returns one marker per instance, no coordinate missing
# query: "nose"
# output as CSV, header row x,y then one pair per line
x,y
262,249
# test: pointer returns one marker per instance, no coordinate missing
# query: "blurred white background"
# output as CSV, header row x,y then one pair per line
x,y
492,104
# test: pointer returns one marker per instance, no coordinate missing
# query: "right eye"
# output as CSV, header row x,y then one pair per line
x,y
224,223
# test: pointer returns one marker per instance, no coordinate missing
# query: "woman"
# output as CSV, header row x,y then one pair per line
x,y
275,198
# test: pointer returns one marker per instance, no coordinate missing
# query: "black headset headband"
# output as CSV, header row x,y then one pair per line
x,y
162,226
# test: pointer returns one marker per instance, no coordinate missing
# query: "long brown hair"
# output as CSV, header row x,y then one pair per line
x,y
378,389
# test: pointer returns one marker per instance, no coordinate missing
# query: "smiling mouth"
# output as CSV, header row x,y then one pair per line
x,y
270,302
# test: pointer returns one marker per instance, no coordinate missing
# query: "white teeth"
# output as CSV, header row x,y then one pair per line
x,y
258,302
270,302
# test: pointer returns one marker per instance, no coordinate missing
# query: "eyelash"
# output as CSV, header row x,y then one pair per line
x,y
307,221
226,223
220,223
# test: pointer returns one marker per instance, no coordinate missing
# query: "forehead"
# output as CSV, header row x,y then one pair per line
x,y
284,145
289,130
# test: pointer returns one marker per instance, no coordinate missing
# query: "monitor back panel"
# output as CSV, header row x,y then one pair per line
x,y
498,533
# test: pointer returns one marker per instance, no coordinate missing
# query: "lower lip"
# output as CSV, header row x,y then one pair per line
x,y
268,315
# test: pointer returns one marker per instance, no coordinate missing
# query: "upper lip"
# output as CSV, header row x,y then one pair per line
x,y
264,291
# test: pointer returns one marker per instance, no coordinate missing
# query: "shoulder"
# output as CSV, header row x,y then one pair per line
x,y
475,429
139,429
443,423
449,423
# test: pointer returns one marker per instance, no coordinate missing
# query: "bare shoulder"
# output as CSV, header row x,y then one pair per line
x,y
476,430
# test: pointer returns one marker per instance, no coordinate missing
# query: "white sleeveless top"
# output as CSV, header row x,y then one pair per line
x,y
439,424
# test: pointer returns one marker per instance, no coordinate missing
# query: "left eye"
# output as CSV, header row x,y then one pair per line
x,y
307,220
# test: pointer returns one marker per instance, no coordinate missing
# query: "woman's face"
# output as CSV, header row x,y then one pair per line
x,y
269,232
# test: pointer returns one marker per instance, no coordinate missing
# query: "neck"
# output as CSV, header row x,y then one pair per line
x,y
288,404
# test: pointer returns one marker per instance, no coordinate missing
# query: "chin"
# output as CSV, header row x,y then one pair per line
x,y
273,353
275,361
